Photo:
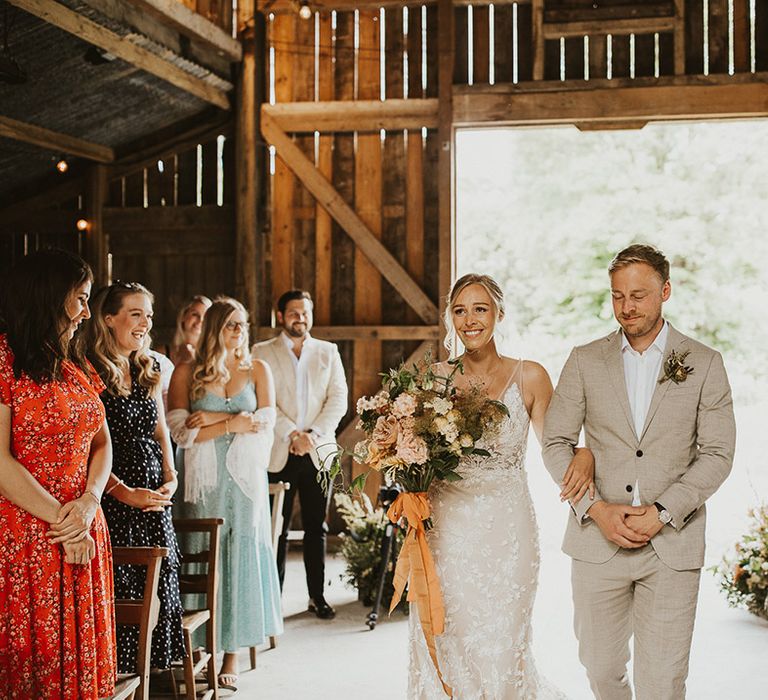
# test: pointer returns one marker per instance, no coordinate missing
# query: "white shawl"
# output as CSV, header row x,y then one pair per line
x,y
247,454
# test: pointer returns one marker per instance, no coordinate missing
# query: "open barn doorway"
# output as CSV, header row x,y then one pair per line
x,y
543,210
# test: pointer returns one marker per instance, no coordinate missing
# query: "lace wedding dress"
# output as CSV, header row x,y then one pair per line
x,y
486,550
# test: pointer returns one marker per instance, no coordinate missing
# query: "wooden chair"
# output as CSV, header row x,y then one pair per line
x,y
277,491
207,584
142,612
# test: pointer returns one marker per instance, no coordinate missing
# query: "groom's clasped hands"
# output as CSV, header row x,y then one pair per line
x,y
630,527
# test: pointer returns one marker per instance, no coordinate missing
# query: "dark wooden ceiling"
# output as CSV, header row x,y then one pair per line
x,y
112,103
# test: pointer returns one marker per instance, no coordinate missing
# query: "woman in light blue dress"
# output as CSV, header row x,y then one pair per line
x,y
221,412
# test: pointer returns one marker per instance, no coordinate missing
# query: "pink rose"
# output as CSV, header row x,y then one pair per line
x,y
385,431
411,448
373,457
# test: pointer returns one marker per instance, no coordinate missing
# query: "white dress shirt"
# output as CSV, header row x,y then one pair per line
x,y
641,374
302,378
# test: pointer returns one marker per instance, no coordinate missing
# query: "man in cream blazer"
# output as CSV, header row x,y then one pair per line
x,y
656,411
311,399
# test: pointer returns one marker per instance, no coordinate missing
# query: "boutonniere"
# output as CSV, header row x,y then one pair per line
x,y
675,368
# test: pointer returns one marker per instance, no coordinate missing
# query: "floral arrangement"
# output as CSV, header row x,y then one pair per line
x,y
675,368
361,546
744,578
418,427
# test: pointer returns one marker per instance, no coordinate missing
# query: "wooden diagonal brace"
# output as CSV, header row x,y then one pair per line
x,y
345,216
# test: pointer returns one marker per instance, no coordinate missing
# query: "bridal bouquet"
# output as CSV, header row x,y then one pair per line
x,y
417,429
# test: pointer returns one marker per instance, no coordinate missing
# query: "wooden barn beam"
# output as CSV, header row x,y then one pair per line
x,y
289,6
353,115
70,21
537,45
368,332
639,25
202,42
192,25
345,216
247,152
96,237
679,37
447,138
612,101
54,140
597,12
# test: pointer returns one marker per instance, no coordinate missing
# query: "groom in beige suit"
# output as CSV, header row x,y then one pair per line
x,y
656,410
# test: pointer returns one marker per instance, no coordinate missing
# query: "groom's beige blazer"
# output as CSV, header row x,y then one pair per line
x,y
684,453
326,397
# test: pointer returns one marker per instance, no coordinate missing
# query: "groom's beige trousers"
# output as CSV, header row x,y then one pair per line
x,y
634,592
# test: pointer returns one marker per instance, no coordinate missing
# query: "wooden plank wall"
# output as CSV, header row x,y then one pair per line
x,y
170,226
17,244
54,227
388,177
220,12
502,39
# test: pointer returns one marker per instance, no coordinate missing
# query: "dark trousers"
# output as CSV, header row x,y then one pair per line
x,y
300,472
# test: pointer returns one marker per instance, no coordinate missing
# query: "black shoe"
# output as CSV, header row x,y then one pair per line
x,y
321,608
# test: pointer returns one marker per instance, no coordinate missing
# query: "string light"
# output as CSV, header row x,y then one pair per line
x,y
82,224
305,11
62,166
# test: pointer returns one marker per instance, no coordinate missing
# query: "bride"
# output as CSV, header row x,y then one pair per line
x,y
485,538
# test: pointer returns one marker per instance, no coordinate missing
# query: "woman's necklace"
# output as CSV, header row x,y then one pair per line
x,y
487,378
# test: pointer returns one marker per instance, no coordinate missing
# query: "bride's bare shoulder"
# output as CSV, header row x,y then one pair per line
x,y
535,374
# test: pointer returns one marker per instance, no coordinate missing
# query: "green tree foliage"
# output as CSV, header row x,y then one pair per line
x,y
544,211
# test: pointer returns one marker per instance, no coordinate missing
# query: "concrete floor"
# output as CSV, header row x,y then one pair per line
x,y
341,659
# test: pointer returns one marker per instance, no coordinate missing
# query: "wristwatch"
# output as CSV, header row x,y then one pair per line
x,y
665,516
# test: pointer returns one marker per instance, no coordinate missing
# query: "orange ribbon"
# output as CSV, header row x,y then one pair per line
x,y
415,560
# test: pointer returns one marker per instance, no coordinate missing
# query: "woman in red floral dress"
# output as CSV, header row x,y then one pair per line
x,y
57,630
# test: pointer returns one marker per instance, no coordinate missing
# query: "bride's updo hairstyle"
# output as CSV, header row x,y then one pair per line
x,y
486,282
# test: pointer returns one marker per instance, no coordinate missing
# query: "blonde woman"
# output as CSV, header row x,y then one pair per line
x,y
222,414
143,478
189,323
485,538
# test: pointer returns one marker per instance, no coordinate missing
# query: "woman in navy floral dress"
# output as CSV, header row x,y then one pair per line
x,y
143,479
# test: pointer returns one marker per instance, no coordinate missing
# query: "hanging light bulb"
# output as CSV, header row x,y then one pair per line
x,y
62,166
305,11
82,224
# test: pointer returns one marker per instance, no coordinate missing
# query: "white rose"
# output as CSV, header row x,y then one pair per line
x,y
440,405
451,435
441,424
